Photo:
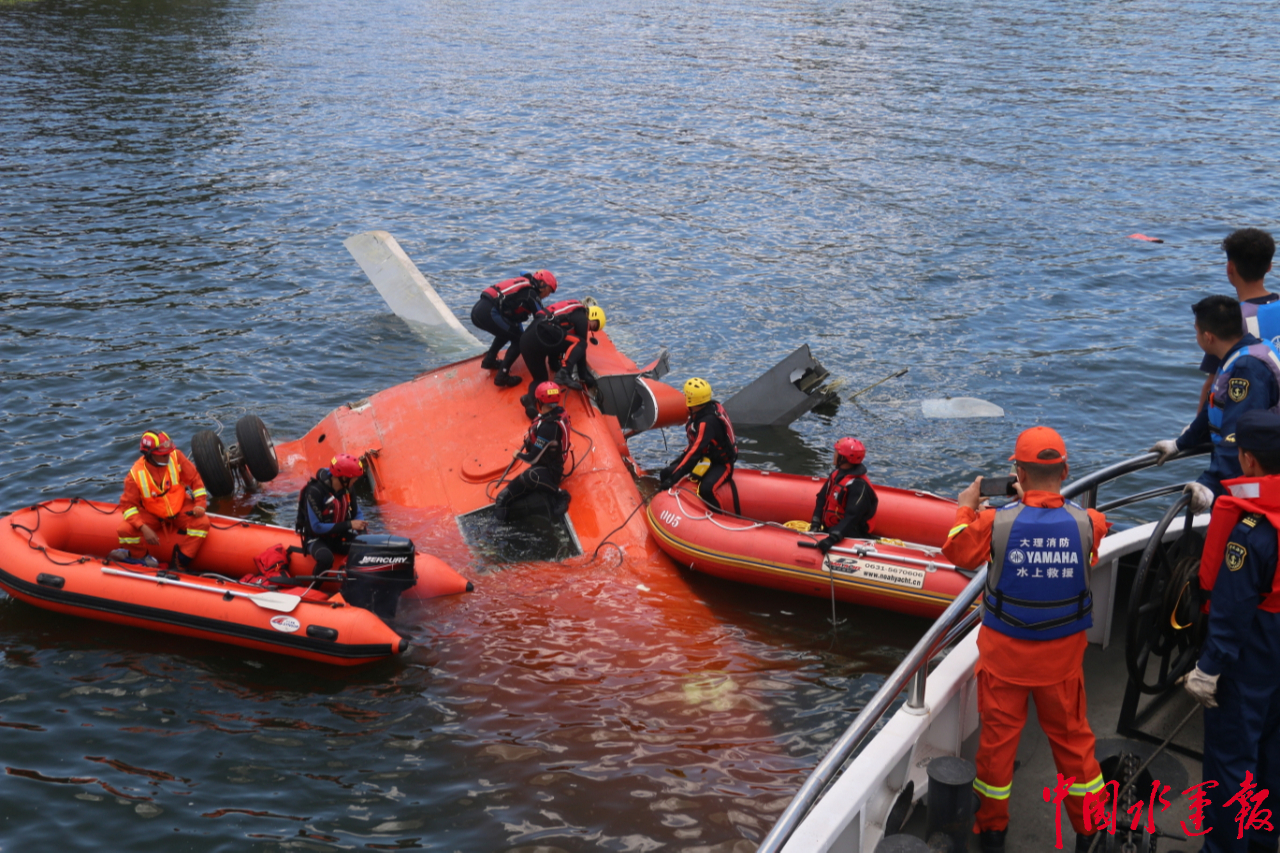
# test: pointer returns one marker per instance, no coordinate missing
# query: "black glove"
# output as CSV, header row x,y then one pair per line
x,y
665,480
525,457
827,543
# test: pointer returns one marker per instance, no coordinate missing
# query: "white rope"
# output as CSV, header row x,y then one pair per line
x,y
710,516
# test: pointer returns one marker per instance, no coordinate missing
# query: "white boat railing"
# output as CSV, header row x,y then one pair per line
x,y
954,623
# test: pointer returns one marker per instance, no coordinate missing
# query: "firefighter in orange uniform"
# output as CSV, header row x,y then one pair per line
x,y
1036,608
156,499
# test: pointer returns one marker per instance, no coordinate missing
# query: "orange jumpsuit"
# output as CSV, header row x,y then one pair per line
x,y
1009,670
157,497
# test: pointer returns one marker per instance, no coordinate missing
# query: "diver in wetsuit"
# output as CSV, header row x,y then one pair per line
x,y
711,439
502,310
546,449
328,515
556,341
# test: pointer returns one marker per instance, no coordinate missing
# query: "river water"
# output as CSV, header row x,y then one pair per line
x,y
947,187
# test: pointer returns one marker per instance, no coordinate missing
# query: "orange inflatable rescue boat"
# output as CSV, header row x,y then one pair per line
x,y
900,567
52,556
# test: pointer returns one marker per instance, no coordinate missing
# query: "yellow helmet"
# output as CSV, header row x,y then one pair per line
x,y
595,312
696,392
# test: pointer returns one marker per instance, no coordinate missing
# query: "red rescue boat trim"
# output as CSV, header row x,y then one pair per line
x,y
873,588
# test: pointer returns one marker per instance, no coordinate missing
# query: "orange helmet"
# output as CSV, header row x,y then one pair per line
x,y
851,450
155,443
546,279
548,392
346,465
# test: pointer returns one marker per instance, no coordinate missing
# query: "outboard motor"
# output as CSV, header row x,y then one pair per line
x,y
379,568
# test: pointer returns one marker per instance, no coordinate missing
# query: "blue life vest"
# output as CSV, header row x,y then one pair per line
x,y
1038,582
1262,321
1220,397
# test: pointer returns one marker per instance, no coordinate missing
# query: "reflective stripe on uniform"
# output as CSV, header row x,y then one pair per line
x,y
200,493
130,540
131,511
199,534
953,531
1087,788
995,792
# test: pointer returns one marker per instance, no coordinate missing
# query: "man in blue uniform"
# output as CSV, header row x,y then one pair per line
x,y
1237,678
1249,253
1248,378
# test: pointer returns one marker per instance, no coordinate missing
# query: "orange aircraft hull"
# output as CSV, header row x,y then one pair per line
x,y
444,440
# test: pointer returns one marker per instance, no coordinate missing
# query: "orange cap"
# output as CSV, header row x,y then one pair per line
x,y
1040,445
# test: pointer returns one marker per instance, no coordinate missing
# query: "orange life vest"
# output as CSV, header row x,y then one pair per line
x,y
1260,495
163,499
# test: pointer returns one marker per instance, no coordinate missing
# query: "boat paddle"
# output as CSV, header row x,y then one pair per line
x,y
268,600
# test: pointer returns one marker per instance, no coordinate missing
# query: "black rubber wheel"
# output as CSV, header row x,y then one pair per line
x,y
258,449
1165,625
211,461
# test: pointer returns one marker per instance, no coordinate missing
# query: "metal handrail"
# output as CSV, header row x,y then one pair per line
x,y
948,627
869,716
1090,482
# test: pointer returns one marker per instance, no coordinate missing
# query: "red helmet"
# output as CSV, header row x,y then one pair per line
x,y
346,465
546,279
155,443
548,392
851,450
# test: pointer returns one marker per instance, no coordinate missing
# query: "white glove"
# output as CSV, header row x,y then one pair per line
x,y
1201,496
1201,686
1166,449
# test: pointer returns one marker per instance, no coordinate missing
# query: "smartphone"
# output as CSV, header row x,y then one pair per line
x,y
993,487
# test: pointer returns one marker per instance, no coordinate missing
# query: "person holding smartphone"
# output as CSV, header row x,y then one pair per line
x,y
846,502
1036,608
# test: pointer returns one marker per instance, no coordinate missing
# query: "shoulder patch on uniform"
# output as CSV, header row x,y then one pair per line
x,y
1237,389
1235,556
1251,520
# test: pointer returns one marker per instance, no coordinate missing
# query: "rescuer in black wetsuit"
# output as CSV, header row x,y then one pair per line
x,y
546,449
711,440
846,502
502,310
328,515
556,341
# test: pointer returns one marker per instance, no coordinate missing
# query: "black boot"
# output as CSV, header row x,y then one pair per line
x,y
489,362
505,380
1084,841
992,840
565,380
501,505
